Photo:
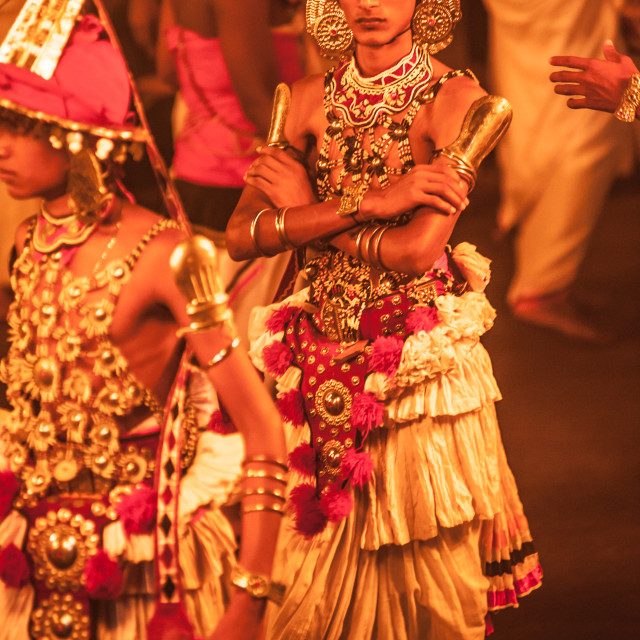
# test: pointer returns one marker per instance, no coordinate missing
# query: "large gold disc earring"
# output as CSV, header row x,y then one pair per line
x,y
332,33
433,22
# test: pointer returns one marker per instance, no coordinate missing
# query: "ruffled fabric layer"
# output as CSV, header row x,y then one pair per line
x,y
207,547
439,461
339,591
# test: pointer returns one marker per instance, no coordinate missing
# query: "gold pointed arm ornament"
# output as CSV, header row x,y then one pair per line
x,y
195,269
484,124
281,103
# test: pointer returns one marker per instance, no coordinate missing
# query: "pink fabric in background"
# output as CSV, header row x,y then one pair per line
x,y
217,149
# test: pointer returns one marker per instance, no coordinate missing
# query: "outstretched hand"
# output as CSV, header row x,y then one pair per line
x,y
596,84
281,177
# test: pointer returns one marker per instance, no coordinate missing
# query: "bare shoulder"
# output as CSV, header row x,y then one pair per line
x,y
452,104
306,107
145,230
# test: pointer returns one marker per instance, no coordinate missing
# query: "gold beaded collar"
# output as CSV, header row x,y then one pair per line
x,y
361,100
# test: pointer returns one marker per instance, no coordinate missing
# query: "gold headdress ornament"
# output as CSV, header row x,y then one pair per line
x,y
432,25
41,79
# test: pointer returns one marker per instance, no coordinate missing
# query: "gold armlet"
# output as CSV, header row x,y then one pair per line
x,y
485,123
281,103
256,585
626,111
195,269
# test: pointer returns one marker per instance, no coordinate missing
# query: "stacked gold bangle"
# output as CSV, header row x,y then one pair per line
x,y
626,111
263,484
368,243
223,354
283,237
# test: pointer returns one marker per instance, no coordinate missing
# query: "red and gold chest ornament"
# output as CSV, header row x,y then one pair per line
x,y
360,100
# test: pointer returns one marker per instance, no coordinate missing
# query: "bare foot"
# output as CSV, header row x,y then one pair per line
x,y
557,313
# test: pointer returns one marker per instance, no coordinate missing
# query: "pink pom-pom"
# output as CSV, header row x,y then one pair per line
x,y
309,518
14,569
303,459
422,319
386,354
277,358
278,319
336,504
9,487
103,576
358,466
291,406
366,412
221,423
138,510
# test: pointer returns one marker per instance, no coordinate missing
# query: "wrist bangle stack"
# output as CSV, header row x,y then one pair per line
x,y
281,231
626,111
263,484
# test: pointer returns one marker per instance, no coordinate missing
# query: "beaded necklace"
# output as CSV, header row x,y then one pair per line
x,y
359,145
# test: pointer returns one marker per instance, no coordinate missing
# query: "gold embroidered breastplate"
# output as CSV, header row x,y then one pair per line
x,y
67,382
361,146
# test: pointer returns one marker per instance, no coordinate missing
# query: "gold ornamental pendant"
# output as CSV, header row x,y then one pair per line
x,y
65,470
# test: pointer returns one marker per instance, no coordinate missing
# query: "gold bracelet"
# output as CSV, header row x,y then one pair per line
x,y
374,253
281,231
359,238
223,354
260,473
626,111
253,229
265,460
263,491
276,507
256,585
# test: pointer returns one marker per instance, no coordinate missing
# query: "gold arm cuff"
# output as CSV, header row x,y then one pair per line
x,y
194,265
484,124
626,111
281,103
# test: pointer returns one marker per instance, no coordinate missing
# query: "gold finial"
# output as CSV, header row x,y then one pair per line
x,y
281,102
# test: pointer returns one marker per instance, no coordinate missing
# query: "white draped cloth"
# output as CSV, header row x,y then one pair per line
x,y
557,164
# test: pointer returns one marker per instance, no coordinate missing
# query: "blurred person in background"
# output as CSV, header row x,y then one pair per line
x,y
556,166
227,57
